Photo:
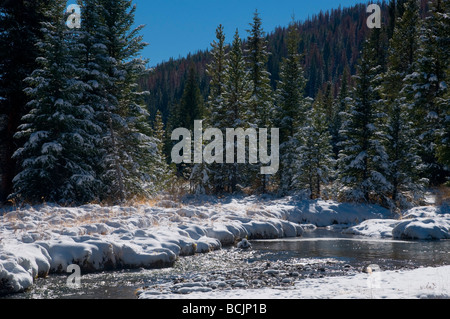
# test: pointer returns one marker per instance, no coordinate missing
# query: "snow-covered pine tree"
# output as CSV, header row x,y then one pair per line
x,y
190,109
401,146
130,147
216,109
60,136
90,54
426,86
363,159
340,107
260,111
441,17
20,29
162,174
235,95
291,110
315,153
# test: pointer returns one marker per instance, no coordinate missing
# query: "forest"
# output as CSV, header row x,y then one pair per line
x,y
363,114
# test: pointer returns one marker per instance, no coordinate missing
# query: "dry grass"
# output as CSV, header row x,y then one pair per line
x,y
442,195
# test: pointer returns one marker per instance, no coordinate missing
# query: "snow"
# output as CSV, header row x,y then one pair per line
x,y
427,282
426,223
39,240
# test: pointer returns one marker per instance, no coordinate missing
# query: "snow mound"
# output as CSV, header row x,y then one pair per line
x,y
325,213
39,240
373,228
423,228
424,223
43,239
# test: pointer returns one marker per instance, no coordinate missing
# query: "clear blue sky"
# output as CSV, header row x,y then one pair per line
x,y
176,27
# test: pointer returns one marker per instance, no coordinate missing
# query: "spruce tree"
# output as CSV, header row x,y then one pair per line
x,y
235,96
189,109
260,110
425,89
401,145
162,174
90,56
130,146
315,153
339,108
216,109
59,132
363,159
291,110
216,71
20,30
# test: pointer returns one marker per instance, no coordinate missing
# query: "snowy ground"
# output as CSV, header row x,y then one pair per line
x,y
36,241
426,223
418,283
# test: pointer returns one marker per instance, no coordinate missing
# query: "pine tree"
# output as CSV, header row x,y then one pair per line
x,y
217,110
130,149
189,109
440,15
401,146
339,108
216,71
363,159
291,110
162,173
55,160
425,89
90,56
20,29
315,153
235,96
261,102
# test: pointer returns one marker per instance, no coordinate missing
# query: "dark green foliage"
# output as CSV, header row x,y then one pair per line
x,y
20,28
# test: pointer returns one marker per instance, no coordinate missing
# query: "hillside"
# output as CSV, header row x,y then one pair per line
x,y
330,42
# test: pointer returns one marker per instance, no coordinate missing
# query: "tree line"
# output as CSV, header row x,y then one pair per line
x,y
382,138
74,126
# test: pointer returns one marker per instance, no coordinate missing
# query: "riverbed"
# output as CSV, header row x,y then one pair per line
x,y
278,263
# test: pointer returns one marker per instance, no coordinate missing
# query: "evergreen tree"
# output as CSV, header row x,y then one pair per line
x,y
217,111
425,88
216,71
90,56
235,96
260,109
401,146
339,108
130,147
191,106
187,111
162,173
363,159
315,154
20,30
291,110
55,160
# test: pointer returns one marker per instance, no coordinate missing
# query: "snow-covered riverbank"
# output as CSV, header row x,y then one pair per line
x,y
36,241
430,282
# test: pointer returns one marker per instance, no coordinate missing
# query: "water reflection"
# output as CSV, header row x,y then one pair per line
x,y
324,244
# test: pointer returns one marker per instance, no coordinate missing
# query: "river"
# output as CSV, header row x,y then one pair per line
x,y
317,253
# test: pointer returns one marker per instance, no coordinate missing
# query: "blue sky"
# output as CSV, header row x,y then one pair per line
x,y
176,27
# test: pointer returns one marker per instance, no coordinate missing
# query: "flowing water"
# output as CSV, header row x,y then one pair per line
x,y
317,253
